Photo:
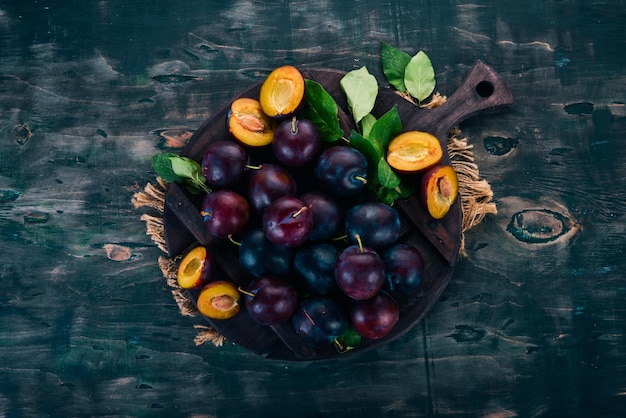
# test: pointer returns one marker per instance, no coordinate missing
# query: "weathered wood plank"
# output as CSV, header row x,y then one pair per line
x,y
87,323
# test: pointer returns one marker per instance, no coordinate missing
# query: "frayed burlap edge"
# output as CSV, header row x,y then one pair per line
x,y
476,194
476,203
152,199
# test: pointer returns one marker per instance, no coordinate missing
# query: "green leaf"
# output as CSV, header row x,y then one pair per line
x,y
348,340
366,124
190,171
386,176
361,89
185,167
162,166
386,195
404,190
196,173
371,150
390,195
394,63
419,76
321,109
192,187
387,127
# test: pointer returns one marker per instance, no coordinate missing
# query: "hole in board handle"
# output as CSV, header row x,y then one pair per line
x,y
484,89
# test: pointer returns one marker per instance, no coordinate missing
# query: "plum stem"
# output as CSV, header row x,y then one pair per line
x,y
231,239
308,316
245,292
294,125
254,167
361,178
358,240
338,344
299,211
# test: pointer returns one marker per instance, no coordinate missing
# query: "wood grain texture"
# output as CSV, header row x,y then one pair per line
x,y
523,329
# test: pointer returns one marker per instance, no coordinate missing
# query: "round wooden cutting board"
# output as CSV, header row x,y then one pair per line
x,y
438,240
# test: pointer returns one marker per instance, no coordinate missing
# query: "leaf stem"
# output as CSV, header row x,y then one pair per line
x,y
204,187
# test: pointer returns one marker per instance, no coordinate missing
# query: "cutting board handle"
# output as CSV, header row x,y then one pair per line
x,y
483,89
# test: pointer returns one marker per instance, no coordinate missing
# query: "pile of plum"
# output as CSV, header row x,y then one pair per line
x,y
321,252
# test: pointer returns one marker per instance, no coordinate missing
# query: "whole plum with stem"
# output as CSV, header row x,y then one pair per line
x,y
268,183
319,320
341,171
225,212
259,256
359,271
270,300
287,222
315,264
224,164
327,215
375,317
377,224
404,267
297,142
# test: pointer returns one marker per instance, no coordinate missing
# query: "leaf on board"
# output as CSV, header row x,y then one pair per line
x,y
361,89
387,127
394,63
348,340
184,167
162,166
419,76
189,170
386,176
390,195
367,123
321,109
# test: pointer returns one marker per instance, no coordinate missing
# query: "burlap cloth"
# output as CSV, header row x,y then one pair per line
x,y
476,202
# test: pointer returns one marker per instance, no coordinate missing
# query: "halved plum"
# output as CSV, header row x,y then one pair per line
x,y
248,123
219,300
282,92
414,151
440,188
195,269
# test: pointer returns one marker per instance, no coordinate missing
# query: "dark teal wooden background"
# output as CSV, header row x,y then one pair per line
x,y
524,329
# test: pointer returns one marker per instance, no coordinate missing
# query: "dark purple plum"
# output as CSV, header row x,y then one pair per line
x,y
287,222
377,223
297,142
375,317
259,256
404,267
359,272
268,183
341,171
327,215
225,213
319,320
270,300
224,164
315,264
